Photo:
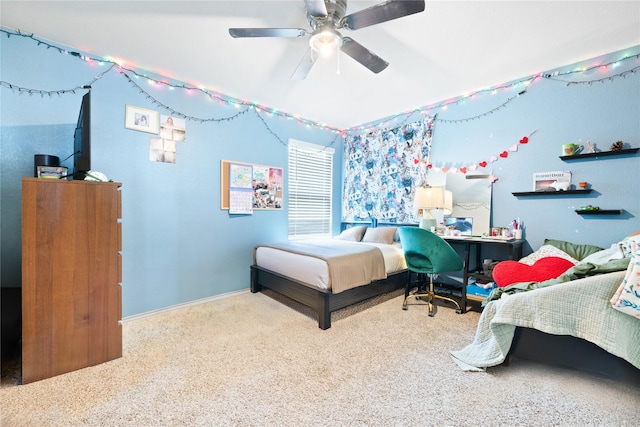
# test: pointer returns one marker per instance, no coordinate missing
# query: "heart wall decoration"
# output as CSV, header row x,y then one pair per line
x,y
483,164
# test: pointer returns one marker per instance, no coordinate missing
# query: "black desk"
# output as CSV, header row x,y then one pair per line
x,y
513,250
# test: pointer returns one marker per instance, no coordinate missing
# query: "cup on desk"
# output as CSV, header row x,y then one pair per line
x,y
518,234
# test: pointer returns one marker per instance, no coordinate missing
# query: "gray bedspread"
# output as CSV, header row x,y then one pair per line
x,y
580,308
350,264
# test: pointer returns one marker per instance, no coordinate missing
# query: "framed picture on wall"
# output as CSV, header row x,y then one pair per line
x,y
267,186
141,119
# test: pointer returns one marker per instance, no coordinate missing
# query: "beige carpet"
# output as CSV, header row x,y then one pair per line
x,y
249,360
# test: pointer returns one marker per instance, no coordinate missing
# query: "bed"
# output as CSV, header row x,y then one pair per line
x,y
575,321
320,274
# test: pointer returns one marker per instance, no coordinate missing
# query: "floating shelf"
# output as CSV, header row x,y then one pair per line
x,y
599,212
601,154
551,193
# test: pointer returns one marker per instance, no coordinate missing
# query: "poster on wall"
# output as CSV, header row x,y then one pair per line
x,y
173,128
267,187
162,150
381,170
240,189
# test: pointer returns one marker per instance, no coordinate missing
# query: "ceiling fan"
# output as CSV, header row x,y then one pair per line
x,y
326,17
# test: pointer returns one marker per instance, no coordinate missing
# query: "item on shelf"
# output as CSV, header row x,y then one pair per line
x,y
551,181
571,149
589,208
583,184
617,146
591,148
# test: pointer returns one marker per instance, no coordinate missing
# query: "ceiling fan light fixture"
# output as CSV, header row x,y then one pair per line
x,y
325,41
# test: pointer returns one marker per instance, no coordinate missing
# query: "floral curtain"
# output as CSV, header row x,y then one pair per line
x,y
382,169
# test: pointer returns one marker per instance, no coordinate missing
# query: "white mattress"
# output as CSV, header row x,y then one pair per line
x,y
313,271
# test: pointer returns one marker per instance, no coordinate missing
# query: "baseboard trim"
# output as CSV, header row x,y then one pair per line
x,y
183,305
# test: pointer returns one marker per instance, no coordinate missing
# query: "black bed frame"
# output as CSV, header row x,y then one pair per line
x,y
323,302
571,352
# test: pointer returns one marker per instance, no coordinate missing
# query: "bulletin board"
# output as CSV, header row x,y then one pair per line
x,y
267,185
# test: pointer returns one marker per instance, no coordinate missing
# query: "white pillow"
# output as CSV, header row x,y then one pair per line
x,y
380,235
605,255
547,251
353,234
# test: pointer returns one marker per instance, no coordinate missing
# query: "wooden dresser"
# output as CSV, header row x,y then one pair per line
x,y
71,275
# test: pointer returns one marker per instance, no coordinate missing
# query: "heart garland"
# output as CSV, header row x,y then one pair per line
x,y
483,164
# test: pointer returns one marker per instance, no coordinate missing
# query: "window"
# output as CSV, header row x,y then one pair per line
x,y
309,183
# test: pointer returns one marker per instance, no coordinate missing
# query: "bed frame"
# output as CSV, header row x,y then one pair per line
x,y
323,302
571,352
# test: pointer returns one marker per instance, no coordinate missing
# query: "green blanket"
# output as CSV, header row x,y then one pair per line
x,y
576,272
580,308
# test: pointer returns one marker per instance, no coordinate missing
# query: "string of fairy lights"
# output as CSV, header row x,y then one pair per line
x,y
260,110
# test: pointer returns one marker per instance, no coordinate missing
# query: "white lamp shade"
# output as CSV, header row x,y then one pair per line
x,y
427,198
448,203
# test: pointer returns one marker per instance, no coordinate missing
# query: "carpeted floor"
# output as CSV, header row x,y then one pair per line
x,y
250,360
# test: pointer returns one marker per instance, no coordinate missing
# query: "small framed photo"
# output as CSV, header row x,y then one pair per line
x,y
496,231
52,172
141,119
552,181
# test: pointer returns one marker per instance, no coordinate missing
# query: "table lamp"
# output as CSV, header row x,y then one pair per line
x,y
427,198
447,209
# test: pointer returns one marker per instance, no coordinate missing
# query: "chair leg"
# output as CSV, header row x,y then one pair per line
x,y
432,295
407,291
426,295
419,282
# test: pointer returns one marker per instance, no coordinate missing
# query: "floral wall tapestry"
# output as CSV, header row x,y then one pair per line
x,y
382,169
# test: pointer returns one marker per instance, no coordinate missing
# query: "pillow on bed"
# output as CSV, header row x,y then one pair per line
x,y
575,250
625,244
380,235
509,272
547,251
604,256
353,234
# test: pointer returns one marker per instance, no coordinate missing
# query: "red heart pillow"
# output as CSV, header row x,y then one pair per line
x,y
508,272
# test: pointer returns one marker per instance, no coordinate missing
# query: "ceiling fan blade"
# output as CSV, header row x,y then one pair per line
x,y
267,32
391,9
363,55
304,66
316,7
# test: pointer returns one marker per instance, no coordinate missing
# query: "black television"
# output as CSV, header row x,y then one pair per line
x,y
82,140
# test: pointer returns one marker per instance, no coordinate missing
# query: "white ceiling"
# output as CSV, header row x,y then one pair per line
x,y
450,49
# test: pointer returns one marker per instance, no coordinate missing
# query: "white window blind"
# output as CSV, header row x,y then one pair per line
x,y
309,182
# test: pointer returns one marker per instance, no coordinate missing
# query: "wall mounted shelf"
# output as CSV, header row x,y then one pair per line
x,y
599,211
551,193
601,154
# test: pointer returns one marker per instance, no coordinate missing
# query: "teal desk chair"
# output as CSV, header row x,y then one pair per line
x,y
427,255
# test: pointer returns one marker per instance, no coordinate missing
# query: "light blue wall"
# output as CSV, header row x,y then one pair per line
x,y
178,245
556,114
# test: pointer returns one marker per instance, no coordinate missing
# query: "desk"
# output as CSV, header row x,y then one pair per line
x,y
513,249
